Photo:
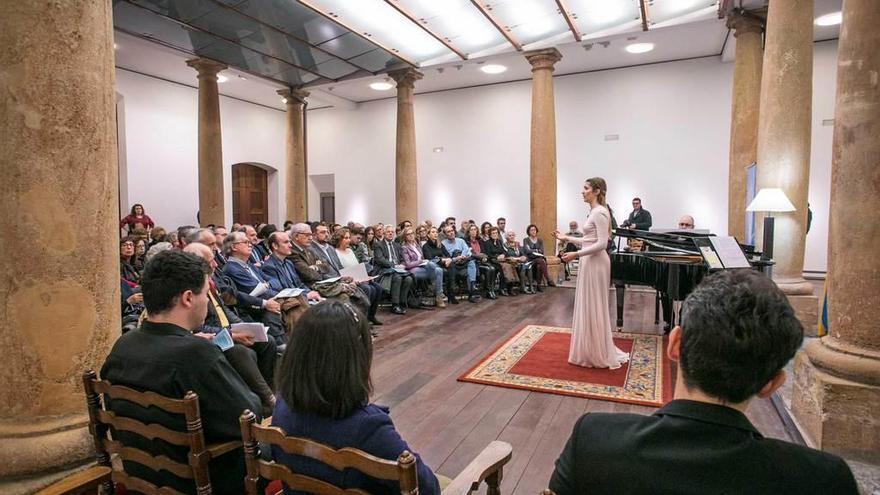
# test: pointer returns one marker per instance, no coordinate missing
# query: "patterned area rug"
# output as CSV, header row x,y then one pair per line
x,y
536,358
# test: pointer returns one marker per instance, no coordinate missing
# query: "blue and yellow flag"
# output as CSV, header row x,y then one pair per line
x,y
823,320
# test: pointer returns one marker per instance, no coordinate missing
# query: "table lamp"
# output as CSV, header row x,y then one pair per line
x,y
769,200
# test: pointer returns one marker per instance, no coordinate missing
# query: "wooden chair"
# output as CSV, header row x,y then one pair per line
x,y
101,420
485,467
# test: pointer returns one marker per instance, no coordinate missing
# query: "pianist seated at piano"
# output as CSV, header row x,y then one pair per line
x,y
686,222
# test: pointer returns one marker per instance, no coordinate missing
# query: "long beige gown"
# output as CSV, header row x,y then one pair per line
x,y
591,343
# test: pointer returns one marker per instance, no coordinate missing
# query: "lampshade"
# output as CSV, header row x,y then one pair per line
x,y
770,199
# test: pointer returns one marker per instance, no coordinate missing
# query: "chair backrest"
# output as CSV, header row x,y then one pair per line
x,y
403,470
101,420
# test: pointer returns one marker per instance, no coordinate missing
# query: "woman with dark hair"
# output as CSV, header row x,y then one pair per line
x,y
487,271
369,239
341,241
435,251
126,257
157,235
534,248
324,391
497,254
137,217
484,231
592,345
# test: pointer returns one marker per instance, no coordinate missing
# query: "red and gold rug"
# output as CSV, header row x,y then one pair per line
x,y
536,358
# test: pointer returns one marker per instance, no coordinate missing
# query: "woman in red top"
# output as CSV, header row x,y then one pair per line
x,y
137,217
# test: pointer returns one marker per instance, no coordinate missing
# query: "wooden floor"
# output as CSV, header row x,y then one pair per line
x,y
419,356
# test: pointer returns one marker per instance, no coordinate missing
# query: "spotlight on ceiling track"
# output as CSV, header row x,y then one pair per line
x,y
493,69
640,47
831,19
381,85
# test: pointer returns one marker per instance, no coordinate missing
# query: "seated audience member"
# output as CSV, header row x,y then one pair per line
x,y
324,386
462,264
157,235
639,219
686,222
486,269
287,225
132,305
569,247
137,218
421,234
343,257
156,249
485,227
235,227
140,253
248,279
534,249
420,268
262,247
220,234
185,232
279,271
126,255
497,256
388,264
250,233
737,333
433,250
369,239
172,239
516,255
361,251
254,361
163,356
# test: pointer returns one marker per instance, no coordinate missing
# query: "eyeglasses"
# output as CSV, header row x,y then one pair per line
x,y
682,224
241,242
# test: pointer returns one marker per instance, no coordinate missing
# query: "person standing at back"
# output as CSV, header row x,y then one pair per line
x,y
737,333
639,219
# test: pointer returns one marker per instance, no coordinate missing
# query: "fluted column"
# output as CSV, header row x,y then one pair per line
x,y
59,275
542,155
837,379
747,30
211,197
295,155
784,132
406,178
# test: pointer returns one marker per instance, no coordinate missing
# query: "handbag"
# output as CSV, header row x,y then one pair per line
x,y
292,308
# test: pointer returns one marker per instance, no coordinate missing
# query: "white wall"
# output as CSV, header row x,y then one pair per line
x,y
673,122
161,129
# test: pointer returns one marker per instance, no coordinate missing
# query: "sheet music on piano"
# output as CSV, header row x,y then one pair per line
x,y
723,250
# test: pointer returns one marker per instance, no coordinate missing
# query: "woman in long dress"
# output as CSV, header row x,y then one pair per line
x,y
591,343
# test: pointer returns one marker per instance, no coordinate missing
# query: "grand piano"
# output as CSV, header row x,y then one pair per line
x,y
670,263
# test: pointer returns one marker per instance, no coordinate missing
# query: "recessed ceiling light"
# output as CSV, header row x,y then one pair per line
x,y
221,78
493,69
831,19
283,100
381,85
115,46
640,47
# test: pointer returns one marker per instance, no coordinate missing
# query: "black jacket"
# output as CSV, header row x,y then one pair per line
x,y
690,447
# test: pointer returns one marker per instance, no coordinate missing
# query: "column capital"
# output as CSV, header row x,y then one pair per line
x,y
744,22
406,78
543,59
293,96
206,67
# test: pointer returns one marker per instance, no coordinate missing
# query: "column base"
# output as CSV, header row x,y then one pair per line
x,y
836,399
31,484
40,449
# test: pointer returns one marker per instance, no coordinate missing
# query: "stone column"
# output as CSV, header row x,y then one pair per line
x,y
784,132
837,379
406,175
211,197
542,156
59,277
744,115
296,189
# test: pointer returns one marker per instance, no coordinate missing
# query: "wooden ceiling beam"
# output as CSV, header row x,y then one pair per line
x,y
424,25
335,19
643,13
504,32
563,9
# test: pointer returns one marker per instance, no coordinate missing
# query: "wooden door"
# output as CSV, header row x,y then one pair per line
x,y
250,194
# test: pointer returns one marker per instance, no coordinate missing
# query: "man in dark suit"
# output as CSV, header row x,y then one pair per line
x,y
737,333
164,356
388,256
279,271
639,219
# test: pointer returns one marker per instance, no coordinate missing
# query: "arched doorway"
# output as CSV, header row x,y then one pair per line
x,y
250,194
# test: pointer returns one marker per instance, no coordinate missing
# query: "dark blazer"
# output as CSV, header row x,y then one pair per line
x,y
306,264
281,274
381,256
243,300
690,447
169,360
246,278
494,249
331,259
368,428
434,251
640,220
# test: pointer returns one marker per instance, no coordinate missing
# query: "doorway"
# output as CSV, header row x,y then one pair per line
x,y
328,207
250,194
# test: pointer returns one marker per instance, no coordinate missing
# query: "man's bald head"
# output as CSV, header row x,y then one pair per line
x,y
203,251
686,222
